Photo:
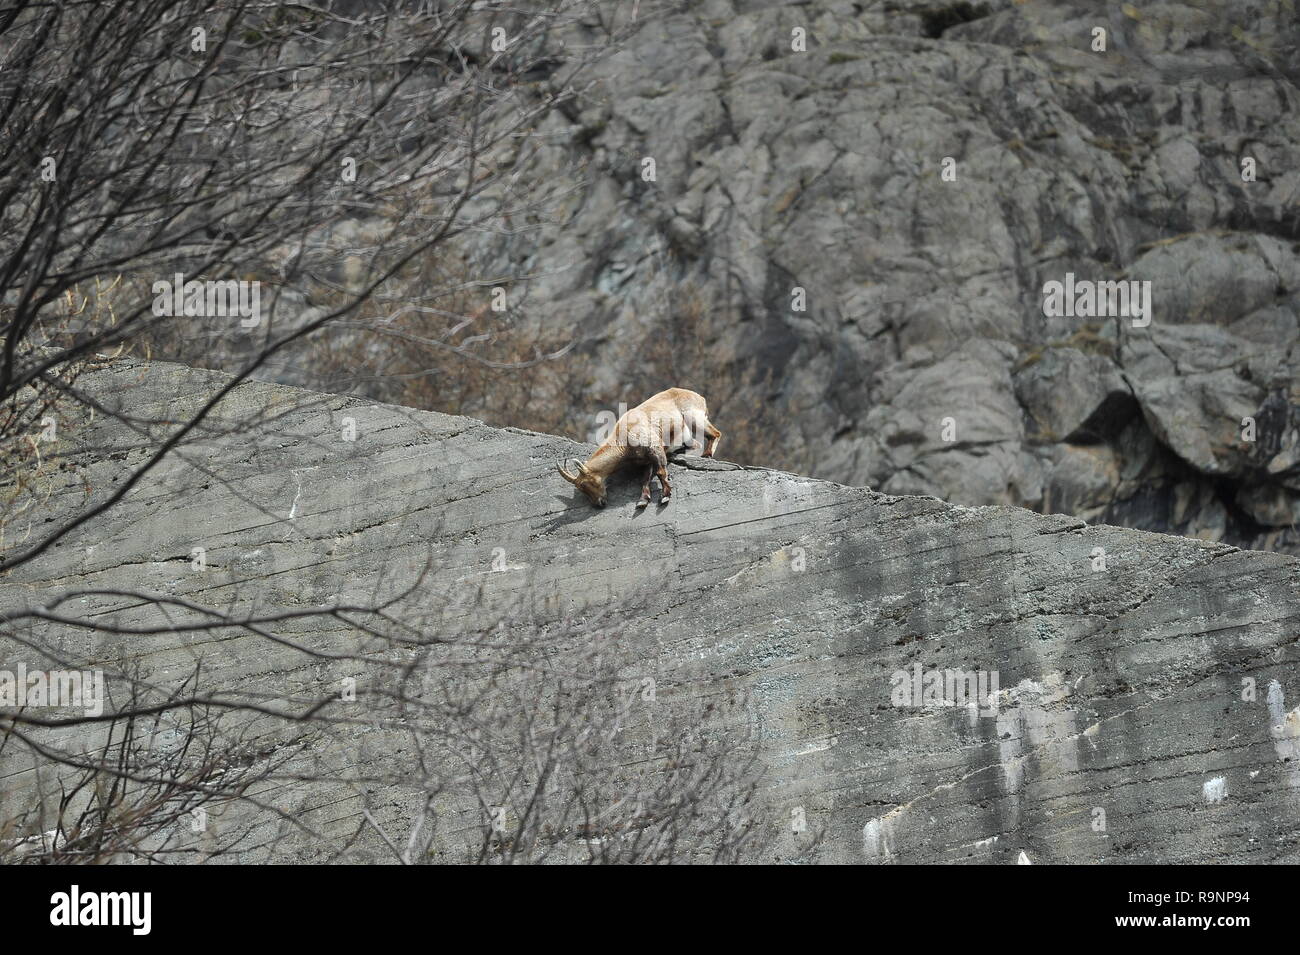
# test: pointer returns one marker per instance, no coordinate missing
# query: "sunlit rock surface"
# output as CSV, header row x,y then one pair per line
x,y
1121,730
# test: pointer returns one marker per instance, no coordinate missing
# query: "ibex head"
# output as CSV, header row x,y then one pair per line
x,y
587,481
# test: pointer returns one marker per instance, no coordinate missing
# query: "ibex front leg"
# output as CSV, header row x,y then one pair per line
x,y
645,485
661,468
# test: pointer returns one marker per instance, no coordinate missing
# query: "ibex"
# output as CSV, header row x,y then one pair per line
x,y
644,436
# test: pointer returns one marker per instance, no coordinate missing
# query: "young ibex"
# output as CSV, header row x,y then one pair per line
x,y
644,436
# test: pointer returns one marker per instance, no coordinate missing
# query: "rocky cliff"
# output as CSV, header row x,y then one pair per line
x,y
1137,692
846,213
854,208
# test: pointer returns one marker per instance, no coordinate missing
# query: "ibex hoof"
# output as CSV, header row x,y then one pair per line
x,y
665,499
642,503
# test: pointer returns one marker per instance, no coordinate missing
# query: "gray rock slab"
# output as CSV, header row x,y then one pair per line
x,y
1120,730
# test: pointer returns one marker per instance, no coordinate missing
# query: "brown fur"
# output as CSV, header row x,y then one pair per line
x,y
644,436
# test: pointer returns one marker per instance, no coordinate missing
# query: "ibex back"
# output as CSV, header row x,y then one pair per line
x,y
643,437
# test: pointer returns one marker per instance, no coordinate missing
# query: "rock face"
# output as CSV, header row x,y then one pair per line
x,y
1144,707
867,199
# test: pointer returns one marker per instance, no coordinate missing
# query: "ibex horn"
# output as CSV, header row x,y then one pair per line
x,y
571,478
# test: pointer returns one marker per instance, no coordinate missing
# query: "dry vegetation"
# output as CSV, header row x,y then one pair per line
x,y
455,354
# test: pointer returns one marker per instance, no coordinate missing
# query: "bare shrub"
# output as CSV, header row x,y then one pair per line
x,y
558,744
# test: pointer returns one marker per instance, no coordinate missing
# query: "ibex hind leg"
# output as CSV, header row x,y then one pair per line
x,y
697,423
710,432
